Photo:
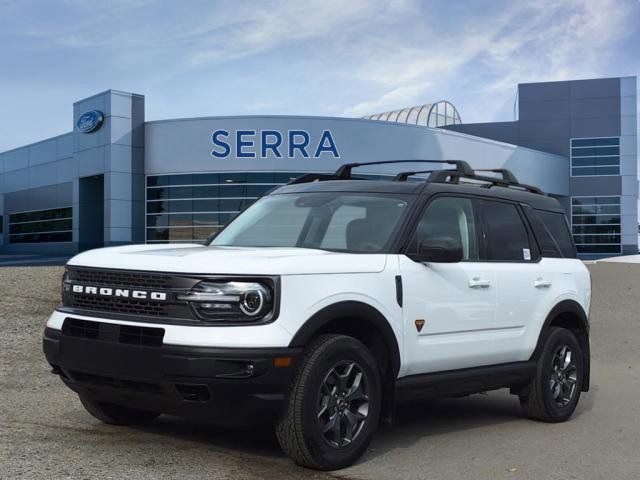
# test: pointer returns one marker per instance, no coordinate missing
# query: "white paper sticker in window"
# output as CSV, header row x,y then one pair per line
x,y
526,253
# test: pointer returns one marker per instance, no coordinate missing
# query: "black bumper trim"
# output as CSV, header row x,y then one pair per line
x,y
223,385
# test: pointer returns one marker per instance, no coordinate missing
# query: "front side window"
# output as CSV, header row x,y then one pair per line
x,y
357,223
506,235
450,217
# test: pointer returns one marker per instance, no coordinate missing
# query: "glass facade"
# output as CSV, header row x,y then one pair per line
x,y
40,226
595,156
595,224
190,207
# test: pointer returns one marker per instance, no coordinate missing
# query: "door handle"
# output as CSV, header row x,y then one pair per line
x,y
477,282
541,283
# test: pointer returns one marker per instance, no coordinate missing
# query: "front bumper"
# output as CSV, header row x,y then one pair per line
x,y
223,385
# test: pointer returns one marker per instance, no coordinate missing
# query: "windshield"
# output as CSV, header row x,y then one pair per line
x,y
330,221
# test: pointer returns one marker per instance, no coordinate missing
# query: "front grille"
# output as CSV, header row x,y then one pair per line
x,y
114,304
120,278
127,306
112,332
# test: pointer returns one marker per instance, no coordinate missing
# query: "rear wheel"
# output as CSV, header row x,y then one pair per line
x,y
554,392
117,414
333,406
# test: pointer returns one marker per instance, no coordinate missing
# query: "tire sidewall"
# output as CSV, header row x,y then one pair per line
x,y
345,349
557,338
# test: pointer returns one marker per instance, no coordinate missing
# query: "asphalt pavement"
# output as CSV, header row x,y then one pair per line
x,y
45,433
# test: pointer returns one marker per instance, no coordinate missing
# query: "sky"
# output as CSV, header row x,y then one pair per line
x,y
315,57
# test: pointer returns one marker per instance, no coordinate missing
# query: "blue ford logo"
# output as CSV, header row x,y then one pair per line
x,y
90,121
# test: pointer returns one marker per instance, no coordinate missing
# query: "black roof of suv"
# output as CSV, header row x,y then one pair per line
x,y
461,180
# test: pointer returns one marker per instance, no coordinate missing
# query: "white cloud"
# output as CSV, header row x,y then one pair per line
x,y
323,57
538,41
402,95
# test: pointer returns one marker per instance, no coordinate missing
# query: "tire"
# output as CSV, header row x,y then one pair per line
x,y
116,414
554,392
337,383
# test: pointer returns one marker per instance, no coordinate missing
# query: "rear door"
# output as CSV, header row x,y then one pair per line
x,y
448,308
524,284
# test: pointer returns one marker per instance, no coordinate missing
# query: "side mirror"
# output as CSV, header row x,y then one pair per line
x,y
211,236
439,250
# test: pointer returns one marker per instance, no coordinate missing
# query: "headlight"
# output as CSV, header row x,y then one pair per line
x,y
249,301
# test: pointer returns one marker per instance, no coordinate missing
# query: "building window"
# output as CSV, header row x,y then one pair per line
x,y
595,224
595,156
40,226
190,207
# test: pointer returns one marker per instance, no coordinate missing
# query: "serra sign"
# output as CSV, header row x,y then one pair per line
x,y
273,143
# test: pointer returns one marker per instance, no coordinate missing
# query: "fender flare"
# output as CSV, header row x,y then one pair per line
x,y
352,309
575,309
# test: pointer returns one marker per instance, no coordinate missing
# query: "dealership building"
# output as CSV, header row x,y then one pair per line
x,y
116,178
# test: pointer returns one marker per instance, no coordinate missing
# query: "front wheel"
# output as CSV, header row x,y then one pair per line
x,y
333,406
554,392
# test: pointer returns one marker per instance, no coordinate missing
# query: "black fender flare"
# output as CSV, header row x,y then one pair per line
x,y
575,309
353,309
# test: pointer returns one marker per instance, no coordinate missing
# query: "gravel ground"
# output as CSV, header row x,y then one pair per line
x,y
44,432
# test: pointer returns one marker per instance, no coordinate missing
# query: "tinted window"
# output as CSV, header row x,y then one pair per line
x,y
449,217
507,238
548,246
557,228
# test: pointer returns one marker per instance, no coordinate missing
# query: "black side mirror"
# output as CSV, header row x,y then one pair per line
x,y
443,249
211,236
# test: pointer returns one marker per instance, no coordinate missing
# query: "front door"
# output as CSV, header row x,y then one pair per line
x,y
448,308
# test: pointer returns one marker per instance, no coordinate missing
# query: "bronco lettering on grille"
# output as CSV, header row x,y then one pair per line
x,y
119,292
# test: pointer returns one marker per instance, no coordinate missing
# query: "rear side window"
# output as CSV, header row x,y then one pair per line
x,y
556,227
506,235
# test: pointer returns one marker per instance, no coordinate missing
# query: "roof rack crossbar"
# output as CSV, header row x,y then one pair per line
x,y
344,172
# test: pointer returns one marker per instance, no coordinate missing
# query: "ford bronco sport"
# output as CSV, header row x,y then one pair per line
x,y
328,301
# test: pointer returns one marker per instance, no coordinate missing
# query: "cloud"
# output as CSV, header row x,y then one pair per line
x,y
269,26
537,41
318,57
402,95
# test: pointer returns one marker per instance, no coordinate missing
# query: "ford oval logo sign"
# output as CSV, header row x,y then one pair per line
x,y
90,121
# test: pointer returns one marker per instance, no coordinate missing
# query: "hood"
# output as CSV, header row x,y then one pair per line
x,y
194,258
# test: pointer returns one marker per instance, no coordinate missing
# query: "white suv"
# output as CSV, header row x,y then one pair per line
x,y
330,300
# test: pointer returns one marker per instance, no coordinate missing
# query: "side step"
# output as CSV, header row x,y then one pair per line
x,y
464,381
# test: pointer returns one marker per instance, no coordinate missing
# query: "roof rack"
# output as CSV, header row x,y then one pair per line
x,y
444,176
344,172
404,176
312,177
507,176
462,171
